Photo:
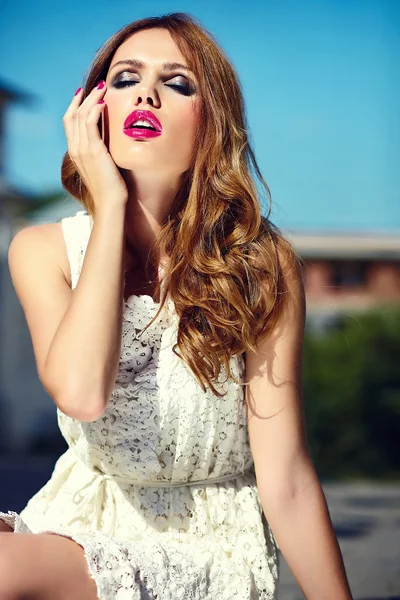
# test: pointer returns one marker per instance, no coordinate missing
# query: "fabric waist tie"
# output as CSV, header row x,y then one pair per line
x,y
95,490
171,483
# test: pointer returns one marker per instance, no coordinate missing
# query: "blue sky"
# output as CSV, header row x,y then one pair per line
x,y
321,81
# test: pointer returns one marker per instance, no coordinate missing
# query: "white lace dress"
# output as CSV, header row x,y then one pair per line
x,y
126,490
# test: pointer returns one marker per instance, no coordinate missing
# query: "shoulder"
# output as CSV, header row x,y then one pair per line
x,y
292,274
281,346
46,239
285,267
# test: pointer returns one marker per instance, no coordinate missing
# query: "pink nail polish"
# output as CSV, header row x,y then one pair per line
x,y
101,85
77,91
100,102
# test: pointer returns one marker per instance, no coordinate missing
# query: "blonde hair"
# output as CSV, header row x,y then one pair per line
x,y
225,273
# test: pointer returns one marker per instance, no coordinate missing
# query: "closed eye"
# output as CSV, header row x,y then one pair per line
x,y
182,89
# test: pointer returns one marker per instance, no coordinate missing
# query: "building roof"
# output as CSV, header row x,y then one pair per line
x,y
346,245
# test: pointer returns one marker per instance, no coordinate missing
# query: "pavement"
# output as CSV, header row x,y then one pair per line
x,y
366,518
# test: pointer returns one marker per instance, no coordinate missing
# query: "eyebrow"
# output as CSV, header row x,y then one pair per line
x,y
138,64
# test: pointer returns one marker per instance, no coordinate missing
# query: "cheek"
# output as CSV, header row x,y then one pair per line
x,y
186,122
191,116
118,108
114,112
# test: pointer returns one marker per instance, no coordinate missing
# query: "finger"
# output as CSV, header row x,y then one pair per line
x,y
80,114
102,122
91,101
92,122
92,98
69,117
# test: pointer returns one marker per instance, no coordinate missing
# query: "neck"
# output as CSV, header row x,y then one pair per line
x,y
149,205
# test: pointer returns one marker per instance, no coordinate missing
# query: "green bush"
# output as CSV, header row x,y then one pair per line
x,y
351,390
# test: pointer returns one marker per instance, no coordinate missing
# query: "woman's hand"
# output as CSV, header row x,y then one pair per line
x,y
87,150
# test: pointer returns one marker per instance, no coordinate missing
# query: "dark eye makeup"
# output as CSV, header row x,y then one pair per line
x,y
122,82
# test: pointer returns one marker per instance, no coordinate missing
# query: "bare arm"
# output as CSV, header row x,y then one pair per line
x,y
290,493
303,529
76,335
82,361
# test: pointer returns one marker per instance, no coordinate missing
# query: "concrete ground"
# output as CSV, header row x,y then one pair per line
x,y
366,517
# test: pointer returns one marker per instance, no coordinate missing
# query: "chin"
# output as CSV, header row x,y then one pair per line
x,y
129,163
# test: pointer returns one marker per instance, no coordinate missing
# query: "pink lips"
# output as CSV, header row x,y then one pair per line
x,y
137,115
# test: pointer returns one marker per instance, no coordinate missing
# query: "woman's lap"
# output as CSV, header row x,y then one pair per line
x,y
45,566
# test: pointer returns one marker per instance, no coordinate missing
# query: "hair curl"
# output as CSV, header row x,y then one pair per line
x,y
225,271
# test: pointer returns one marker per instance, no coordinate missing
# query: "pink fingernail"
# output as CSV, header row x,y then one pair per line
x,y
101,85
100,102
77,91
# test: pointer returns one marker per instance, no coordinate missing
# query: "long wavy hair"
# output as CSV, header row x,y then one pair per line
x,y
225,271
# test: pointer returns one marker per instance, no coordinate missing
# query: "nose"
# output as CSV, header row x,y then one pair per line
x,y
145,94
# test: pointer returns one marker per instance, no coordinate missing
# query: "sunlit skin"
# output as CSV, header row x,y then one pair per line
x,y
152,168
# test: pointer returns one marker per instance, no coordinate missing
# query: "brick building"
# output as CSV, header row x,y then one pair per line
x,y
348,271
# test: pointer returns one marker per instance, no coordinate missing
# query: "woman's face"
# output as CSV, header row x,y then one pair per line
x,y
170,94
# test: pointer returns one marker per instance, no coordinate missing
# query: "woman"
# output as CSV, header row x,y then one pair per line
x,y
175,362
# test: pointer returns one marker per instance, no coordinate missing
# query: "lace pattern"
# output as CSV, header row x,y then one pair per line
x,y
194,542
